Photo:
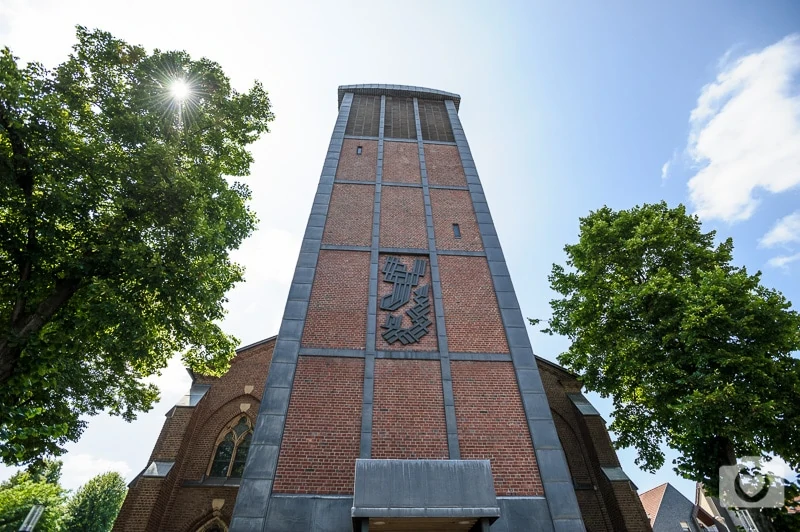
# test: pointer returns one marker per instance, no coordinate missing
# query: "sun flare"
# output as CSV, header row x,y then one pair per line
x,y
180,89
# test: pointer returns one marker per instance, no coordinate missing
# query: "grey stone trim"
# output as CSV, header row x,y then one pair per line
x,y
343,247
582,404
353,182
438,303
398,184
329,352
393,139
481,357
250,510
461,253
556,480
405,251
360,137
615,474
408,355
158,468
212,481
448,187
405,91
254,344
447,143
365,446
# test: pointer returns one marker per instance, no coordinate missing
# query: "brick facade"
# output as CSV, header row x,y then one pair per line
x,y
408,410
401,162
350,215
337,310
492,425
355,167
403,218
184,499
607,506
444,165
454,207
321,437
471,314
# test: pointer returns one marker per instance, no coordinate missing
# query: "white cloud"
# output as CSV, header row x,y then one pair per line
x,y
173,381
665,169
746,133
783,260
79,468
785,231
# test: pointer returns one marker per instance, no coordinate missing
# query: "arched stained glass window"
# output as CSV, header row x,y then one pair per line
x,y
231,452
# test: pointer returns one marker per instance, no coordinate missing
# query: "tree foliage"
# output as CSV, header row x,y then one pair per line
x,y
95,505
694,351
38,485
116,222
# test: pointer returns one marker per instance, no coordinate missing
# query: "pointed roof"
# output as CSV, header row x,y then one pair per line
x,y
651,500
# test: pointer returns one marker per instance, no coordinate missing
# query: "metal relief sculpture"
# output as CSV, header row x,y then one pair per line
x,y
396,272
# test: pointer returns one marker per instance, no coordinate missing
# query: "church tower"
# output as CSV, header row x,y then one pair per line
x,y
403,393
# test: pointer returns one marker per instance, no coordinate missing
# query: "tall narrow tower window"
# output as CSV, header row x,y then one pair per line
x,y
456,231
359,150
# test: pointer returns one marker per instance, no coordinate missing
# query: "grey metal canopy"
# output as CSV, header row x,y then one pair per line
x,y
424,489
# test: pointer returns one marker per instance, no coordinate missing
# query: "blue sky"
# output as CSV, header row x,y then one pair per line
x,y
567,106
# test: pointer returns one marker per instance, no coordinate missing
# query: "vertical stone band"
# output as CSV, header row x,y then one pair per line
x,y
250,511
555,475
438,304
365,449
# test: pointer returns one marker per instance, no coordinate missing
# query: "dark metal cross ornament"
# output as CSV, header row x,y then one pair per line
x,y
396,272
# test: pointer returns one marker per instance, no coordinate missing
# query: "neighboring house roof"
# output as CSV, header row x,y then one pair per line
x,y
668,509
651,500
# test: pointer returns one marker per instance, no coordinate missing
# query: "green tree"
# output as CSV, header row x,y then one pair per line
x,y
95,506
694,351
117,216
37,485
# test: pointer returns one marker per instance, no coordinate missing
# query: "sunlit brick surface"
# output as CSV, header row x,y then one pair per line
x,y
492,425
401,162
350,215
444,165
454,207
355,167
408,411
337,311
471,314
403,218
322,434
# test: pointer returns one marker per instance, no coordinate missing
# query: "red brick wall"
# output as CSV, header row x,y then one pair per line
x,y
350,215
428,342
443,164
354,167
472,316
454,207
403,218
401,162
321,438
492,425
606,506
139,502
337,312
154,503
192,507
408,410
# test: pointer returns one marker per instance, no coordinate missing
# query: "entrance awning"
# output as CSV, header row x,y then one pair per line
x,y
392,495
